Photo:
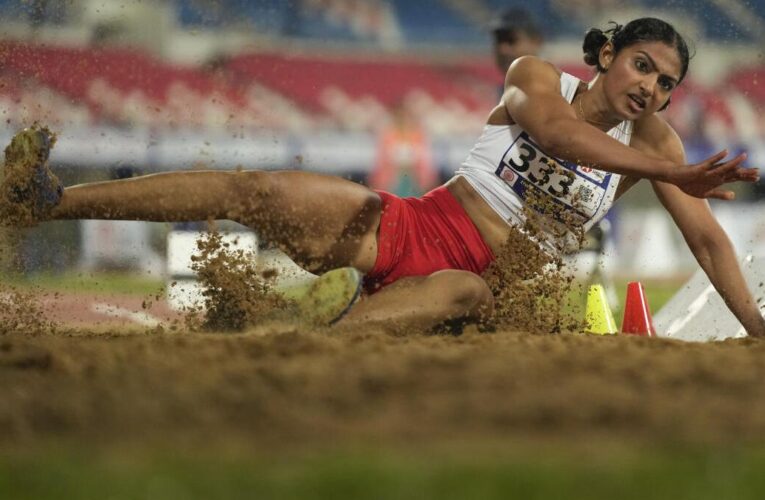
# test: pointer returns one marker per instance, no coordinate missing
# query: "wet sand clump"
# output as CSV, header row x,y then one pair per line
x,y
531,284
530,289
236,293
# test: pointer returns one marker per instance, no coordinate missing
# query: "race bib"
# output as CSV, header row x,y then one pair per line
x,y
573,189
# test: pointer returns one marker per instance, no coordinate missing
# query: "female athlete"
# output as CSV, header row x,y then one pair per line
x,y
579,145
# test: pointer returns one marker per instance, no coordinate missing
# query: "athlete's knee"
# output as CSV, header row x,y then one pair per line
x,y
371,204
363,207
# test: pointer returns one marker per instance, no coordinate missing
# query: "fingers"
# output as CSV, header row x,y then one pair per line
x,y
725,170
738,160
714,159
721,194
704,180
731,171
747,174
728,165
741,174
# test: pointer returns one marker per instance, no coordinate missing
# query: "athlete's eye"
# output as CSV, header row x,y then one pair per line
x,y
666,84
641,65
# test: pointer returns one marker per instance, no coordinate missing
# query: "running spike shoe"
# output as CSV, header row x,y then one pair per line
x,y
325,300
29,190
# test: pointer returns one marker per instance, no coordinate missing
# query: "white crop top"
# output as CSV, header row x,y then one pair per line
x,y
506,164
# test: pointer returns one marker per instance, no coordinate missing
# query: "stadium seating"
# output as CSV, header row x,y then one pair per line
x,y
35,12
717,22
265,16
286,91
423,21
129,87
436,21
750,82
297,92
125,86
338,20
432,21
313,82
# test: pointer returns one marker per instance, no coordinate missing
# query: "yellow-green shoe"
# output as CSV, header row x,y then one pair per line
x,y
328,298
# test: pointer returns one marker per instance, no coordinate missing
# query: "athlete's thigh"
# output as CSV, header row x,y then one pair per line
x,y
322,220
426,301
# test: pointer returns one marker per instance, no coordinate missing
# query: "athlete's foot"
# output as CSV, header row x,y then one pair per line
x,y
328,298
29,190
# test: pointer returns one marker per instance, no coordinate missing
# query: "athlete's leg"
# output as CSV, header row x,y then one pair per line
x,y
166,197
424,302
321,221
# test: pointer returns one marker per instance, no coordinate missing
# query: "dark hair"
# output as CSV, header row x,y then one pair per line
x,y
646,29
512,22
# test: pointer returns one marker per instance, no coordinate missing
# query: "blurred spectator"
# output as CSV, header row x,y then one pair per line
x,y
404,164
107,33
515,34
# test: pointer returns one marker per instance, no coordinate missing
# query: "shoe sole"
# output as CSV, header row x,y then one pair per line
x,y
30,143
325,300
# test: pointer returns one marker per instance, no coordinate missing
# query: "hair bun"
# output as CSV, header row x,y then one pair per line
x,y
593,42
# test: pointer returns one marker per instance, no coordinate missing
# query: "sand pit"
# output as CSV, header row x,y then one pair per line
x,y
125,380
278,382
128,380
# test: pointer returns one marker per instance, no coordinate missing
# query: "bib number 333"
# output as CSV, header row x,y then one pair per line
x,y
525,166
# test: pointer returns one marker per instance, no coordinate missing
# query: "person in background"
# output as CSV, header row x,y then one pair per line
x,y
404,164
515,34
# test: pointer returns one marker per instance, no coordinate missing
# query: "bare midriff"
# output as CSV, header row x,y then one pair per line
x,y
492,227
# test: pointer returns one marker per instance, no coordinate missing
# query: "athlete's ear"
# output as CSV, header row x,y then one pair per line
x,y
666,104
606,56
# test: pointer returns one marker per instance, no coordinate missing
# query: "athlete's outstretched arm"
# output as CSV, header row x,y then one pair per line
x,y
706,239
714,253
533,100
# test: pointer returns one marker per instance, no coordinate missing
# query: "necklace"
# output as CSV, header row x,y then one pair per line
x,y
581,113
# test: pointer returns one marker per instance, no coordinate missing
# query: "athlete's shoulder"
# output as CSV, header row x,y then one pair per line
x,y
531,68
653,134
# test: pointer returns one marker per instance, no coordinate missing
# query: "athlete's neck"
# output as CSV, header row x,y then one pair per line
x,y
589,108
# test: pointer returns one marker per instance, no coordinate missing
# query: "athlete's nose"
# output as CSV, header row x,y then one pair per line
x,y
646,88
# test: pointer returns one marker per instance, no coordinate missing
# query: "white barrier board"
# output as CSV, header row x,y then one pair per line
x,y
697,313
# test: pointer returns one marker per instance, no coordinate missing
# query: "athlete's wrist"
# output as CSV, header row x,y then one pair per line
x,y
665,171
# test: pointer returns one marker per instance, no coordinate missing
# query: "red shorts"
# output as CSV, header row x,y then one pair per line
x,y
419,236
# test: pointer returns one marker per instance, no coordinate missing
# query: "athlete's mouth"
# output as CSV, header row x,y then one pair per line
x,y
639,101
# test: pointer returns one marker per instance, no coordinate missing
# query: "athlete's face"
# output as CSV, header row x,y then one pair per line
x,y
640,78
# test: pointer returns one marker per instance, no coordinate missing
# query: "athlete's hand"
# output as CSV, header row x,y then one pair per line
x,y
757,329
704,180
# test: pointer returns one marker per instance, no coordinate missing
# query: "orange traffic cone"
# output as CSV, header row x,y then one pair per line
x,y
637,315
